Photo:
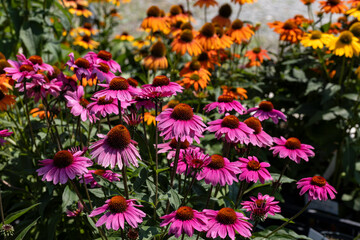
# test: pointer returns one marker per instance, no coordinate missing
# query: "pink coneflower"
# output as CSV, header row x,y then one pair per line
x,y
234,130
261,206
80,66
65,165
180,123
102,72
4,133
144,102
266,110
162,84
293,149
318,188
103,107
149,93
75,212
19,72
78,104
114,148
227,222
259,137
192,162
119,89
185,220
36,62
133,118
170,148
225,103
107,174
252,170
103,57
119,210
219,171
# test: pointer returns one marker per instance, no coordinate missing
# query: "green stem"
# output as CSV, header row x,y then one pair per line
x,y
125,179
2,210
87,193
277,183
239,11
156,159
342,71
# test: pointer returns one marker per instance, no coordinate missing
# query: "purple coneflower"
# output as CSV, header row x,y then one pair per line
x,y
75,212
78,104
19,72
103,57
192,162
170,148
80,66
119,89
103,107
252,170
107,174
4,133
102,72
318,188
225,103
162,84
259,137
261,206
266,110
36,62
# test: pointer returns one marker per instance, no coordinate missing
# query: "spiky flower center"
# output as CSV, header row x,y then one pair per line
x,y
225,10
346,37
186,35
82,63
195,65
208,30
26,68
237,24
118,137
35,59
2,95
182,111
184,213
230,121
333,2
256,50
63,159
84,102
315,35
293,143
132,82
186,25
118,83
288,25
87,25
158,50
226,216
355,28
117,204
175,10
104,67
217,162
173,103
161,80
103,101
253,165
219,31
266,106
196,163
253,123
104,55
260,202
100,172
225,98
318,181
195,77
153,11
183,145
203,57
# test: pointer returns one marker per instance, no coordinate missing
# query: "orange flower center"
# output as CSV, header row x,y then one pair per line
x,y
186,25
158,50
318,181
253,123
104,55
182,111
35,59
184,213
237,24
118,83
183,145
117,204
173,103
225,10
346,37
186,35
104,67
175,10
161,80
217,162
2,95
293,143
100,172
225,98
208,30
84,102
82,62
288,25
315,35
256,50
195,65
87,25
103,101
132,82
253,165
26,68
266,106
63,159
259,203
118,137
230,121
226,216
153,11
195,77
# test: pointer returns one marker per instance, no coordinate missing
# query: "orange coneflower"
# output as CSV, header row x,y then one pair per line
x,y
184,26
40,112
307,2
154,21
288,30
242,2
257,55
208,60
207,3
157,58
80,10
208,38
335,28
125,37
354,3
176,14
86,29
149,118
186,43
5,83
6,101
239,33
300,20
195,79
225,39
223,18
236,92
333,6
86,42
193,66
74,3
114,13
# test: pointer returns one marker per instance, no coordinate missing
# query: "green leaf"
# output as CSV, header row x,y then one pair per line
x,y
13,216
31,34
284,179
174,198
162,170
351,96
283,234
68,197
279,217
25,230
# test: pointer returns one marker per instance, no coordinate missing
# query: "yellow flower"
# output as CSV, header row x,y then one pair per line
x,y
125,37
86,42
141,43
149,118
346,44
315,39
355,12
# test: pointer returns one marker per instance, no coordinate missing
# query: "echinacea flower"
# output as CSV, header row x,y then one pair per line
x,y
36,62
80,66
252,170
239,32
206,3
354,3
315,39
317,187
115,148
185,42
208,38
227,222
230,126
176,14
162,84
4,133
103,57
226,41
236,92
157,58
103,107
257,55
355,29
196,79
40,112
266,110
223,17
180,123
355,12
65,165
19,71
333,6
86,42
261,206
184,220
80,10
219,171
78,104
154,21
170,148
149,118
242,2
125,36
225,103
102,72
119,89
289,31
345,44
107,174
307,2
6,101
192,162
118,211
293,149
259,137
75,212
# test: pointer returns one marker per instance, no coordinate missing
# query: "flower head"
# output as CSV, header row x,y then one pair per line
x,y
345,44
293,149
259,137
4,133
239,32
104,57
266,110
170,148
107,174
157,58
81,66
333,6
75,212
261,206
193,161
252,170
6,101
315,39
103,107
119,89
225,103
162,84
317,187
